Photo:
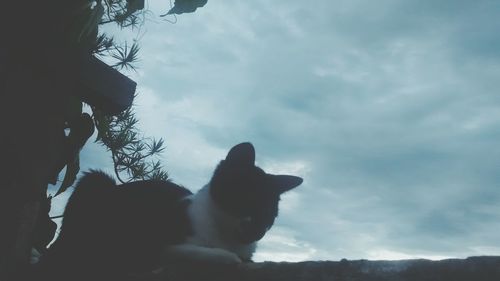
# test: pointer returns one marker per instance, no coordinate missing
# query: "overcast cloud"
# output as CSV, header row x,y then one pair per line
x,y
389,110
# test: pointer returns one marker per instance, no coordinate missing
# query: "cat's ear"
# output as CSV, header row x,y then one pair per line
x,y
242,154
285,182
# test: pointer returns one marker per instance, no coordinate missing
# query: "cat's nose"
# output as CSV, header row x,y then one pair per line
x,y
250,231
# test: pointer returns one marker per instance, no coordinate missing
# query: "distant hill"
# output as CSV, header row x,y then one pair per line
x,y
484,268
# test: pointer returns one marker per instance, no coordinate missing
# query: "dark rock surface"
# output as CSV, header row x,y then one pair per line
x,y
470,269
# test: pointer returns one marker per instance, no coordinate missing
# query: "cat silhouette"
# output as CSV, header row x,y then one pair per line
x,y
111,229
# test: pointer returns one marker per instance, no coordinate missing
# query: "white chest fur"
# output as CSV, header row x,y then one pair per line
x,y
213,228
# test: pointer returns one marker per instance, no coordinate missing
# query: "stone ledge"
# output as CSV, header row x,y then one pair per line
x,y
485,268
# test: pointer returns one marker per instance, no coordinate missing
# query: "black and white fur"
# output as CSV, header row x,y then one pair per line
x,y
135,227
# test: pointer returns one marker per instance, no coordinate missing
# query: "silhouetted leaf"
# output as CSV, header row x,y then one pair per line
x,y
134,6
82,129
45,229
103,124
102,44
156,146
72,169
126,56
185,6
73,108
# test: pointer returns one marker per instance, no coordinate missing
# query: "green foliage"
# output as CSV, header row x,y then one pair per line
x,y
125,13
125,56
102,44
134,156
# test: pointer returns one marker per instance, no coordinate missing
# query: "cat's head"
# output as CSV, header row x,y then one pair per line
x,y
247,193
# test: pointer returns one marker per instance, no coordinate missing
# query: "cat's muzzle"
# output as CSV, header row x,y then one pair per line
x,y
249,231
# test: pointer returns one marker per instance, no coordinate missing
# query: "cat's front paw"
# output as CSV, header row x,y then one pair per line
x,y
222,256
201,254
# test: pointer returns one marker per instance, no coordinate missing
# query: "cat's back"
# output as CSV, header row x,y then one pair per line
x,y
119,226
97,203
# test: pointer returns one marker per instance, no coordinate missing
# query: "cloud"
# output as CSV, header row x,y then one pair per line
x,y
281,245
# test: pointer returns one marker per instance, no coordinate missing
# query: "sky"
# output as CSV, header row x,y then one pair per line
x,y
388,109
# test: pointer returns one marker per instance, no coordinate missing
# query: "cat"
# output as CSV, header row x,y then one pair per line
x,y
135,227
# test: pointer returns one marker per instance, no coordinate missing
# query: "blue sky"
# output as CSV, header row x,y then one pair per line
x,y
389,110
